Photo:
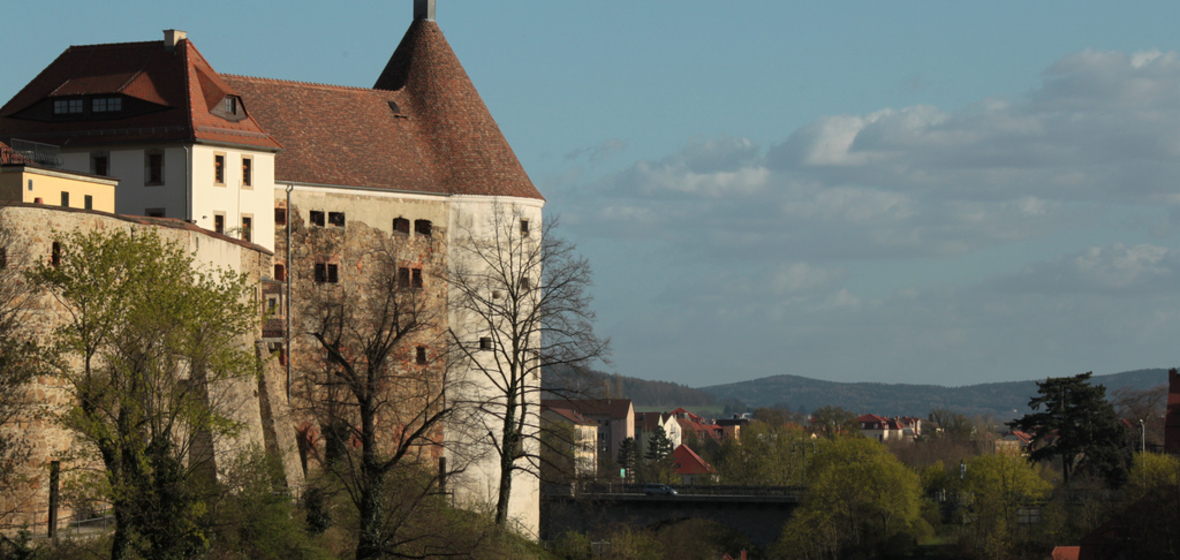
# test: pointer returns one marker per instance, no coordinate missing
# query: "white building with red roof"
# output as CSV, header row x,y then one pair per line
x,y
416,159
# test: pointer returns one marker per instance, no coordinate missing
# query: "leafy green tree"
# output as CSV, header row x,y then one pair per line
x,y
1152,470
147,339
833,421
951,424
860,500
766,455
20,362
995,488
1073,421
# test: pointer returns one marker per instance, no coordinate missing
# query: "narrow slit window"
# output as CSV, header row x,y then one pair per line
x,y
65,198
88,202
416,277
3,257
321,273
420,355
333,275
247,172
247,228
219,223
55,255
219,169
153,167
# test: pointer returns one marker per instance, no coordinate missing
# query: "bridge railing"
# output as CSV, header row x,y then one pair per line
x,y
699,490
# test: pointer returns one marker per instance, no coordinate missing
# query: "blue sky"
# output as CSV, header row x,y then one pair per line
x,y
923,191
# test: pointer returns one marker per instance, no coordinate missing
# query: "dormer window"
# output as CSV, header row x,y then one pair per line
x,y
229,108
106,104
67,107
231,105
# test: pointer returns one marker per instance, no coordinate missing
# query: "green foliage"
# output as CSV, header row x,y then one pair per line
x,y
860,500
951,425
1151,471
659,447
255,518
766,455
628,457
994,490
833,421
1088,437
147,335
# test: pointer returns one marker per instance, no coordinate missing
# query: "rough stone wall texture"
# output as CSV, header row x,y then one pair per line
x,y
366,245
32,229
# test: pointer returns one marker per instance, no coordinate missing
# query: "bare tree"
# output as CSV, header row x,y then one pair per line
x,y
520,296
376,384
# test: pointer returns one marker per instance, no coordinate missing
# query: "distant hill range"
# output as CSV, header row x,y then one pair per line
x,y
1003,400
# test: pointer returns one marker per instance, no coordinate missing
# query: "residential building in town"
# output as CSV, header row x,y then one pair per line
x,y
23,179
648,423
582,432
615,419
692,425
321,175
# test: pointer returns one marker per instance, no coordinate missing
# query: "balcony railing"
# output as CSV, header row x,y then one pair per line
x,y
47,155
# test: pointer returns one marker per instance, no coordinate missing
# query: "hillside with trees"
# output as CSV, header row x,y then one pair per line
x,y
1002,400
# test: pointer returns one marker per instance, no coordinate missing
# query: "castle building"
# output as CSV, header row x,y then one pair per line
x,y
317,173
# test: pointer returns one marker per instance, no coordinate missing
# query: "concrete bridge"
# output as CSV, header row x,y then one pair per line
x,y
758,517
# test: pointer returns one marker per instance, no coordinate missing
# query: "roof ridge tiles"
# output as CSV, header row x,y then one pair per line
x,y
115,45
302,83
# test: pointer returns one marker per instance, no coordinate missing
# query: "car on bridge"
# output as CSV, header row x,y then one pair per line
x,y
659,490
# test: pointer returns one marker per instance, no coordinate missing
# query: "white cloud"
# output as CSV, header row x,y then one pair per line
x,y
1113,269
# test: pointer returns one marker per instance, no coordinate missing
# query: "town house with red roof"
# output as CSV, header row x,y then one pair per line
x,y
317,173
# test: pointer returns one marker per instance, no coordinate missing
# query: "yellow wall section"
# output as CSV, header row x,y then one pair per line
x,y
48,184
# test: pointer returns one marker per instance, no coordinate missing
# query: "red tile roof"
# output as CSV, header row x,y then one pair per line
x,y
471,153
612,408
572,416
8,156
169,97
687,461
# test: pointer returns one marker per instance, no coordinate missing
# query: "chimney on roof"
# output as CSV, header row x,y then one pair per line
x,y
173,37
424,9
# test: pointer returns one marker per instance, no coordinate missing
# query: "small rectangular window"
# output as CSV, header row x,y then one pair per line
x,y
153,167
67,107
417,277
280,273
525,283
55,255
524,227
106,104
247,228
485,343
420,355
88,202
219,223
100,163
316,217
247,172
336,218
219,169
422,227
3,257
271,306
154,212
65,198
401,226
280,216
403,277
328,273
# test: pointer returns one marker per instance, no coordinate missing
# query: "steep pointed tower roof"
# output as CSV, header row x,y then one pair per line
x,y
468,151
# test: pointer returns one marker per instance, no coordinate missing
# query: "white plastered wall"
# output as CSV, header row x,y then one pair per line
x,y
477,485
